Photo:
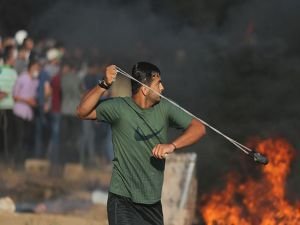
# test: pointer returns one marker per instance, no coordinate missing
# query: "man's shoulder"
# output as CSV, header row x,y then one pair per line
x,y
8,71
114,100
44,75
23,77
164,104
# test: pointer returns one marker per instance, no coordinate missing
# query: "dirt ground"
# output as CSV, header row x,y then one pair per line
x,y
47,219
68,198
23,187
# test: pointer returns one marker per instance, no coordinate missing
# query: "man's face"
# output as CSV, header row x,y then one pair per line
x,y
157,86
29,44
34,70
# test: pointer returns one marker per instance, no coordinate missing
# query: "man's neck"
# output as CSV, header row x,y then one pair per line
x,y
7,65
142,102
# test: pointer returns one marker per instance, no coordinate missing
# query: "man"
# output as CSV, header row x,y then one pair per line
x,y
21,61
71,92
24,94
8,77
42,115
139,126
28,45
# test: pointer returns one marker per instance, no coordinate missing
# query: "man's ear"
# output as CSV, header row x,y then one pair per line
x,y
144,90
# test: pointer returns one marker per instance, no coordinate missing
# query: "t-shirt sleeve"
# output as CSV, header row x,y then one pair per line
x,y
17,87
177,118
108,110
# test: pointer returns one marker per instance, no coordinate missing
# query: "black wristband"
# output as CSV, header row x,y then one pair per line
x,y
174,146
102,84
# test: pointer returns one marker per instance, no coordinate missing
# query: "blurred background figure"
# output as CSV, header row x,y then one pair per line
x,y
21,61
8,77
71,92
9,41
28,45
24,93
53,57
88,134
1,49
55,116
42,114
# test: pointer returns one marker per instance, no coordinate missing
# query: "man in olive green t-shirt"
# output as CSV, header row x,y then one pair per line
x,y
139,125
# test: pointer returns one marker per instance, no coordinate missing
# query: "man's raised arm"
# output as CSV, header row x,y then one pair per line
x,y
87,106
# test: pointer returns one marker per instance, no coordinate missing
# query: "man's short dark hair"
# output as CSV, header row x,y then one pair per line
x,y
32,63
68,61
143,72
7,53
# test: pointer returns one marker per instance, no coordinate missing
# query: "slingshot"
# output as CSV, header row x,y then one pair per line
x,y
256,156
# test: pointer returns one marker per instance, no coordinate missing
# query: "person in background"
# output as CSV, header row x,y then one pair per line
x,y
21,61
24,93
8,77
71,91
28,45
42,114
1,50
9,41
55,114
53,56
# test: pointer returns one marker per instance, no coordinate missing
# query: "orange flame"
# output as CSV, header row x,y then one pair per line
x,y
256,201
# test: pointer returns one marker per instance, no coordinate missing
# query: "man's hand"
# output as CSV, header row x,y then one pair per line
x,y
160,151
31,101
110,74
87,107
2,95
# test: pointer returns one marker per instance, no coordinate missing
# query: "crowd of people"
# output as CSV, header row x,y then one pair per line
x,y
41,83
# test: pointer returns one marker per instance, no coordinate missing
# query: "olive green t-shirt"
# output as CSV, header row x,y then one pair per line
x,y
135,131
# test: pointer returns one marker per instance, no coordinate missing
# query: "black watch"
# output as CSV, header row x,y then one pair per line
x,y
102,84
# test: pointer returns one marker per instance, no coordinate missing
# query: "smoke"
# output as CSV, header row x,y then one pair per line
x,y
241,76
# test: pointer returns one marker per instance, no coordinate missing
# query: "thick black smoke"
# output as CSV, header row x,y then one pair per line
x,y
239,71
241,75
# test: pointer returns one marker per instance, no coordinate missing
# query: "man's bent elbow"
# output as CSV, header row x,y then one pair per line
x,y
200,128
203,130
84,115
79,113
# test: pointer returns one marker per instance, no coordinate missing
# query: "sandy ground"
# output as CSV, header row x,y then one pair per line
x,y
44,219
20,185
67,199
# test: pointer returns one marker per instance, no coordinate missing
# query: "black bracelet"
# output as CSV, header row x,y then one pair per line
x,y
102,84
174,146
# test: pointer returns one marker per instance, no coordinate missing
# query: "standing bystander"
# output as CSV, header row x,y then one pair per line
x,y
24,93
8,76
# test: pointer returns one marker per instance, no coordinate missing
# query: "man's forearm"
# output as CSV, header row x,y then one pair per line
x,y
89,101
191,135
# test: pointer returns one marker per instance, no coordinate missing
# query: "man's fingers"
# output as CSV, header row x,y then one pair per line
x,y
158,152
155,151
111,73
